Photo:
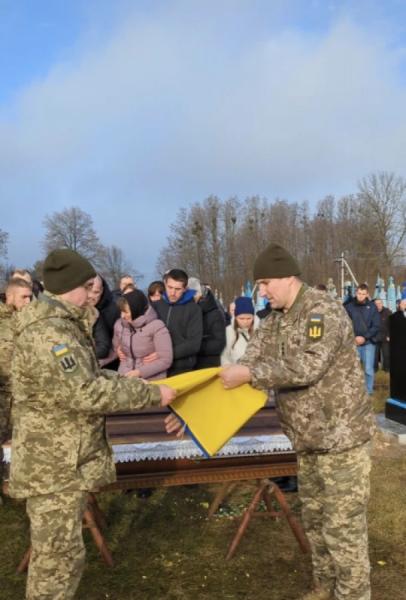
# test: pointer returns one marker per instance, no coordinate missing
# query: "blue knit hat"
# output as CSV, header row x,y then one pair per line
x,y
243,306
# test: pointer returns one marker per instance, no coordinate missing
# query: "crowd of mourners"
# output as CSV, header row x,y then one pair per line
x,y
179,325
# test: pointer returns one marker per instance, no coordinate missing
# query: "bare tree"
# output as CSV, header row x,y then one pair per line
x,y
114,265
73,228
382,198
218,241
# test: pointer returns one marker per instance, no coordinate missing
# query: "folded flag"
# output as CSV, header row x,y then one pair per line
x,y
211,413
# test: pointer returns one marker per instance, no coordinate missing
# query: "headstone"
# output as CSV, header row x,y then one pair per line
x,y
398,293
391,295
248,289
380,290
260,303
349,292
378,287
331,288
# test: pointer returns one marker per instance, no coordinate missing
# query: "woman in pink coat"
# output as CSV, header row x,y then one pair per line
x,y
141,340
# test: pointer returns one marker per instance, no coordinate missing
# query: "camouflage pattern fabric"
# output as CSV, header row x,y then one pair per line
x,y
60,396
6,352
334,490
57,549
308,356
6,345
59,445
5,403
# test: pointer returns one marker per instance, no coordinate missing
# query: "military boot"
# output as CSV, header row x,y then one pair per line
x,y
319,593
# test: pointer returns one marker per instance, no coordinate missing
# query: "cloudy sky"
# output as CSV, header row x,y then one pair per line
x,y
132,109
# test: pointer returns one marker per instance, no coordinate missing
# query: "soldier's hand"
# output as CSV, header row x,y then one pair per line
x,y
174,425
235,375
167,394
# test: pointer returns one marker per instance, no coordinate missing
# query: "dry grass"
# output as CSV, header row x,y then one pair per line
x,y
165,548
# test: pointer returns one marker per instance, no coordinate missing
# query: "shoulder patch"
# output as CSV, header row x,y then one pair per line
x,y
65,357
315,327
60,350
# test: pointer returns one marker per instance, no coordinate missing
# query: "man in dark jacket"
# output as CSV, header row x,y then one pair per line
x,y
382,344
102,299
397,335
183,318
214,326
366,324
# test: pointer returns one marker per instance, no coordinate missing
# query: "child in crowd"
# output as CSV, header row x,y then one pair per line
x,y
239,331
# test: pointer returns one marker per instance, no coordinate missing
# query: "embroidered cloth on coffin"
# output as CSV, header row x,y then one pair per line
x,y
176,449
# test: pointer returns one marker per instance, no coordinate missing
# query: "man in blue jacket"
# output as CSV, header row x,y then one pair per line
x,y
183,317
366,324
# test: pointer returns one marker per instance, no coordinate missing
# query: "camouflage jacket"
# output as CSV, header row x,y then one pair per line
x,y
6,346
60,395
308,356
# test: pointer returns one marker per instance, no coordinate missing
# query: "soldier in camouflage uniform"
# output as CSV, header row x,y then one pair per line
x,y
305,351
18,294
59,447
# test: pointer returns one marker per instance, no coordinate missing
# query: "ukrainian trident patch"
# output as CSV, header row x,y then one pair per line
x,y
315,327
65,357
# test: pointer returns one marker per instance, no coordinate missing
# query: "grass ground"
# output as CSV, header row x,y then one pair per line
x,y
165,548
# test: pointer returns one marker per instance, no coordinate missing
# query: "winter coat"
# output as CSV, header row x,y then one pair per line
x,y
7,325
101,337
214,333
108,308
141,337
234,350
384,328
185,323
365,319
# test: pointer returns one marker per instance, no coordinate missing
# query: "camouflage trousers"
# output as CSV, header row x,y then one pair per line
x,y
334,490
57,549
5,403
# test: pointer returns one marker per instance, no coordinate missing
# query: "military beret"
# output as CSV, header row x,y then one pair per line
x,y
64,270
274,263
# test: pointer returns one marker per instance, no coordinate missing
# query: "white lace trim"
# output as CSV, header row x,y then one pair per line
x,y
263,444
172,449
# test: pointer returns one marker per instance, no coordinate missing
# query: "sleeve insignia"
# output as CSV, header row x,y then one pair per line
x,y
315,327
65,357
